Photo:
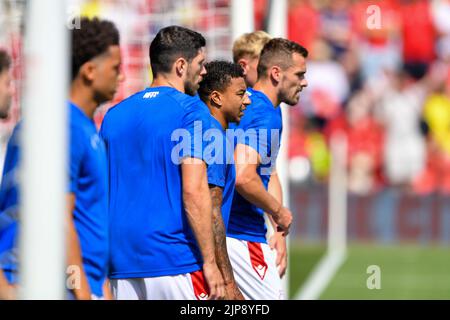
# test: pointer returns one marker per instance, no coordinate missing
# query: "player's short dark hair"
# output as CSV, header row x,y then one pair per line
x,y
172,43
93,38
278,52
5,61
218,77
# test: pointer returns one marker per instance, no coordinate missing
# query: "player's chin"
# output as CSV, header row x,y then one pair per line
x,y
292,102
110,96
238,117
195,88
295,99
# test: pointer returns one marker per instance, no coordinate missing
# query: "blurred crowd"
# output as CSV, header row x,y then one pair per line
x,y
378,72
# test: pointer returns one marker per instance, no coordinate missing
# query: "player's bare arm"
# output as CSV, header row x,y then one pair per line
x,y
107,294
232,291
277,241
250,186
197,204
74,257
7,291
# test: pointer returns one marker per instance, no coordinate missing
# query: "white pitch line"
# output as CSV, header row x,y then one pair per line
x,y
321,276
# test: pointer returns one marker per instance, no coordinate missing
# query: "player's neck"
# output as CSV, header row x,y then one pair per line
x,y
269,90
167,81
219,116
83,98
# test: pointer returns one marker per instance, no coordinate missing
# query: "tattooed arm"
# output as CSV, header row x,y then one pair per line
x,y
232,291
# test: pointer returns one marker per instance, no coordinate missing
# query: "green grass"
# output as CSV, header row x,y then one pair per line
x,y
407,272
303,259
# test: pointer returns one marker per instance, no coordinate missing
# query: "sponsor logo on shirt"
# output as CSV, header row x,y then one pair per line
x,y
149,95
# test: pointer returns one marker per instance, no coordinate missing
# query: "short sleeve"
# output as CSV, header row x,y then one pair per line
x,y
216,174
77,150
196,121
255,132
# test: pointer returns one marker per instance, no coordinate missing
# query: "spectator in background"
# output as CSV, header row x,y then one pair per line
x,y
440,10
418,34
336,29
400,110
261,9
365,141
379,47
436,115
328,83
303,21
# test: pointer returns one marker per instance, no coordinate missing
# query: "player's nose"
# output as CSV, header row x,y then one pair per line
x,y
203,71
304,83
246,101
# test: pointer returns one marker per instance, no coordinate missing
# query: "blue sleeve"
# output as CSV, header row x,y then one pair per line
x,y
77,149
216,174
196,121
255,132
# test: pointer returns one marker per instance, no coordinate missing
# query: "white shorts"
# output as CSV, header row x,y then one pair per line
x,y
189,286
255,270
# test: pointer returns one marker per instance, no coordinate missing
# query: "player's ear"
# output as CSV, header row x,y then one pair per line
x,y
216,99
275,73
88,70
244,64
181,66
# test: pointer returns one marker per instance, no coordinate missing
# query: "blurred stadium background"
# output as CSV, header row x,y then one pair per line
x,y
385,87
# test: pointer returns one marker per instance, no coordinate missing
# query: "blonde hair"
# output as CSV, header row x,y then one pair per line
x,y
250,44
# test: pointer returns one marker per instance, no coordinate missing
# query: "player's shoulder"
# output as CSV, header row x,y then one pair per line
x,y
192,104
258,103
255,114
195,107
79,121
131,100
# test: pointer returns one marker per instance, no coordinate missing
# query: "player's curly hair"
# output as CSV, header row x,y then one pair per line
x,y
278,52
91,39
218,77
172,43
5,61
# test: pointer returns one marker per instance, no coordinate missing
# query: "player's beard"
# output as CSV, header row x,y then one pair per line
x,y
192,82
191,87
290,99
